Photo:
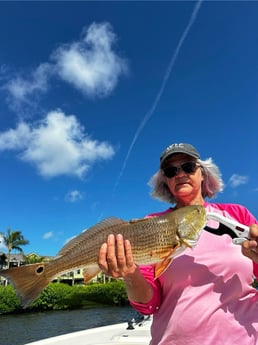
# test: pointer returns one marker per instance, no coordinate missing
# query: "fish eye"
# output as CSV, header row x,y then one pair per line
x,y
39,269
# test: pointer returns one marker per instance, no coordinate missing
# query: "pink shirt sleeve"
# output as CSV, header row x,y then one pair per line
x,y
154,303
255,269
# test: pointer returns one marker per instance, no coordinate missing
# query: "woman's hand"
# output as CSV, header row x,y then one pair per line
x,y
116,258
250,247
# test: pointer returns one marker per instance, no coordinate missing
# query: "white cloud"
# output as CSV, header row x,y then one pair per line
x,y
73,196
15,139
237,180
21,88
3,247
48,235
89,64
56,145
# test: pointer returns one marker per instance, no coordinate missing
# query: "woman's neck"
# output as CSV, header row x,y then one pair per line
x,y
185,202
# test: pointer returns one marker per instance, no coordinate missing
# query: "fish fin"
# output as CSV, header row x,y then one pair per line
x,y
137,220
28,281
161,266
90,272
104,224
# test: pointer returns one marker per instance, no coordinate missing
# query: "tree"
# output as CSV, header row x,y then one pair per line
x,y
3,259
13,241
33,258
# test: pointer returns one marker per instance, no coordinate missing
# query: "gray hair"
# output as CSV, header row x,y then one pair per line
x,y
211,185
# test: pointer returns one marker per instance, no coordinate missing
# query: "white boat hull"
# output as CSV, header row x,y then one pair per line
x,y
118,334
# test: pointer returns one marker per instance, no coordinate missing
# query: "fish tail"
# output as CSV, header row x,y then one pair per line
x,y
28,281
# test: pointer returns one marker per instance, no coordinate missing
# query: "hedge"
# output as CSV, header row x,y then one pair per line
x,y
60,296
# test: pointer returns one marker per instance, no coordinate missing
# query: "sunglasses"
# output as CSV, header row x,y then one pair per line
x,y
188,168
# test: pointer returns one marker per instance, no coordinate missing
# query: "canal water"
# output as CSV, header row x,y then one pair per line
x,y
24,328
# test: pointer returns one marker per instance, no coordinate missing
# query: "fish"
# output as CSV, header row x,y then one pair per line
x,y
155,241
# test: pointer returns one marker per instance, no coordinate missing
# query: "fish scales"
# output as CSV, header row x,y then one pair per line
x,y
154,240
145,236
148,236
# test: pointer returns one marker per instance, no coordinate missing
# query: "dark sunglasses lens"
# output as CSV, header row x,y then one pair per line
x,y
189,167
170,172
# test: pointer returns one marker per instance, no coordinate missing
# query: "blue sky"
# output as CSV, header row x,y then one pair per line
x,y
92,92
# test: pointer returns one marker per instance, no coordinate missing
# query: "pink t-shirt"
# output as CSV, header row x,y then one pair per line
x,y
205,296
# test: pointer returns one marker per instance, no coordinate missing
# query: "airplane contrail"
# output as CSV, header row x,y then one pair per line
x,y
163,85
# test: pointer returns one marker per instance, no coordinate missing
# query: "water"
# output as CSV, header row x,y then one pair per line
x,y
24,328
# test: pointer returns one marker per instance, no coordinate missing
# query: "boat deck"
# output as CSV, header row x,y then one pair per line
x,y
118,334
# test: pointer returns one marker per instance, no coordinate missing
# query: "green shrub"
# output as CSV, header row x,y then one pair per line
x,y
54,297
60,296
112,293
9,302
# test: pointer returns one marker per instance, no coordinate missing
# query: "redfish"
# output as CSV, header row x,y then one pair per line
x,y
154,241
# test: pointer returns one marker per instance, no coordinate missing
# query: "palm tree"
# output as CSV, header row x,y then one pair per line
x,y
13,240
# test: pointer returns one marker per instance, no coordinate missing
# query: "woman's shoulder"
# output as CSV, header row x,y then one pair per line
x,y
237,211
225,206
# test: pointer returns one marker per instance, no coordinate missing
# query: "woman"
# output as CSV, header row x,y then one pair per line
x,y
205,296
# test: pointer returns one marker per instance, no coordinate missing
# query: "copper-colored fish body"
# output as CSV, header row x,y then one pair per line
x,y
154,241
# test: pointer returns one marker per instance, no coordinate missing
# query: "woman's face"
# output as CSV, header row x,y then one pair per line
x,y
184,186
